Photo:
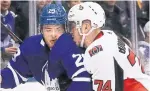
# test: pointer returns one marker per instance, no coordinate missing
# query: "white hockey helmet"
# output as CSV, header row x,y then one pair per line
x,y
87,11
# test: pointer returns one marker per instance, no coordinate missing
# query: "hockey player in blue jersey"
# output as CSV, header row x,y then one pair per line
x,y
66,57
32,57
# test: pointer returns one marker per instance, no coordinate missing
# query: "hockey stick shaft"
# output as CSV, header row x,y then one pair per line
x,y
12,35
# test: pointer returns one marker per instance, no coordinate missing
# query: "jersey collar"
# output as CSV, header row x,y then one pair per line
x,y
99,35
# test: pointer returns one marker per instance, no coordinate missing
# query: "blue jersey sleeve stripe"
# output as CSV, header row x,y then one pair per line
x,y
83,79
14,74
23,78
78,72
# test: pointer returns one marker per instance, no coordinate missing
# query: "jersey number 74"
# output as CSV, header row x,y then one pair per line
x,y
103,86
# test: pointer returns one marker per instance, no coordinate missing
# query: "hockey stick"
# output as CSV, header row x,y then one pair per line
x,y
12,35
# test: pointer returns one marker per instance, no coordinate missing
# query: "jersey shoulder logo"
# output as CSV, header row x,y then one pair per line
x,y
95,50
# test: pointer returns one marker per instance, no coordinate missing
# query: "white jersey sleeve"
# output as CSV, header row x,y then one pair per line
x,y
130,64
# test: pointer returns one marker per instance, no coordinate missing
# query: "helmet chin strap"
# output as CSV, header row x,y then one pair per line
x,y
82,41
84,35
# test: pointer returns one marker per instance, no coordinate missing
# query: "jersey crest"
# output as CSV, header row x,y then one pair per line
x,y
95,50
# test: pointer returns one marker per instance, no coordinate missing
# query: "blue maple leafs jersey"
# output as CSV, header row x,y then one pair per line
x,y
66,57
29,61
32,60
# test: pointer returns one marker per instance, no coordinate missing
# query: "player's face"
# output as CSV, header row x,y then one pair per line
x,y
85,28
49,1
5,4
51,33
40,3
110,2
73,3
75,34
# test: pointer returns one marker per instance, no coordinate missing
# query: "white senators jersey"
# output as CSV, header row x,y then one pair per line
x,y
113,65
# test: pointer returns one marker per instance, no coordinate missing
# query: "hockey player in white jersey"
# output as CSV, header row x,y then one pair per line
x,y
144,49
112,64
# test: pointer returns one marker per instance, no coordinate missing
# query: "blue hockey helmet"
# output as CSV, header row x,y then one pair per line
x,y
53,14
